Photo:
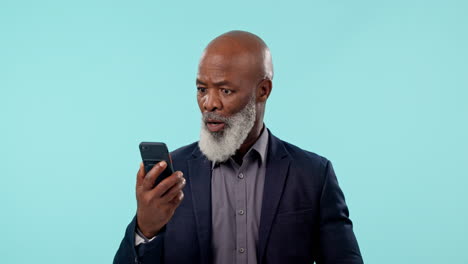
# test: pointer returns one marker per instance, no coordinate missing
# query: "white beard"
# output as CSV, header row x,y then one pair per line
x,y
219,146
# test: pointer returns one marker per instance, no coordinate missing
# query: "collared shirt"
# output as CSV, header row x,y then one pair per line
x,y
236,202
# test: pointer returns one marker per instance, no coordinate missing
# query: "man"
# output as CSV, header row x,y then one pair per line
x,y
246,196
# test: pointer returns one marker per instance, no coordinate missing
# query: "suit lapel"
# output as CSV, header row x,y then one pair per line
x,y
200,186
276,174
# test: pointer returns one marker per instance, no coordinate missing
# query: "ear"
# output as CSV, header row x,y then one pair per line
x,y
264,90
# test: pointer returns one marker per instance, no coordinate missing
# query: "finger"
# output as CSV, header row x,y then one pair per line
x,y
151,176
174,191
167,184
177,199
140,175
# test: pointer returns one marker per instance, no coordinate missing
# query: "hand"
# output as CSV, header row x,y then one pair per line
x,y
157,205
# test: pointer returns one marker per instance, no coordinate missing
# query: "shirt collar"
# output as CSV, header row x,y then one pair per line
x,y
260,146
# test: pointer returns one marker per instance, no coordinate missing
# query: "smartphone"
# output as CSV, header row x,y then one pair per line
x,y
151,154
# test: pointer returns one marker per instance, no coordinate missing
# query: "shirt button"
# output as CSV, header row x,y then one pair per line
x,y
241,176
241,250
241,212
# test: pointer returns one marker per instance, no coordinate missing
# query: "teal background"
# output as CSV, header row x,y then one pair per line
x,y
378,87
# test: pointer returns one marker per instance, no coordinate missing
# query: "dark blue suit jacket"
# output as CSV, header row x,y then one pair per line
x,y
304,216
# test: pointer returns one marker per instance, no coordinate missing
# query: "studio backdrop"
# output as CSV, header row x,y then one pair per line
x,y
378,87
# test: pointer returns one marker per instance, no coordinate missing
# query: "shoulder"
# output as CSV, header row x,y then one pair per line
x,y
307,168
180,156
184,152
304,158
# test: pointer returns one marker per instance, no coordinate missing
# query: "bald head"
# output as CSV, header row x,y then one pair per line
x,y
243,50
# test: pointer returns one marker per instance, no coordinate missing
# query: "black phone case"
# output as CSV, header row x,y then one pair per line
x,y
151,154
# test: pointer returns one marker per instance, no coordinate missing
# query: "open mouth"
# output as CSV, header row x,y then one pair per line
x,y
215,125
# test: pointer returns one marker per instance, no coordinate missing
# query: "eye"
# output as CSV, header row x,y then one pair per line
x,y
226,91
201,89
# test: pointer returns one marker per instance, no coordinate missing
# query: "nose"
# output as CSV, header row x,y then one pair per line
x,y
212,102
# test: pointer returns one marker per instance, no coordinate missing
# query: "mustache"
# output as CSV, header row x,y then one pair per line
x,y
215,116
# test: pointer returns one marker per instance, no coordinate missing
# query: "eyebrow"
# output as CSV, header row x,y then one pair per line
x,y
220,83
200,82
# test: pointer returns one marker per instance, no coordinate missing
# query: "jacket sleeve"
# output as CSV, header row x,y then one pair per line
x,y
338,243
151,252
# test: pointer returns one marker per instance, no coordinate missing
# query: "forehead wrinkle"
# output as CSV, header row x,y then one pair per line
x,y
218,67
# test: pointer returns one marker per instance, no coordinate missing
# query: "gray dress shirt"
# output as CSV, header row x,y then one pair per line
x,y
236,202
